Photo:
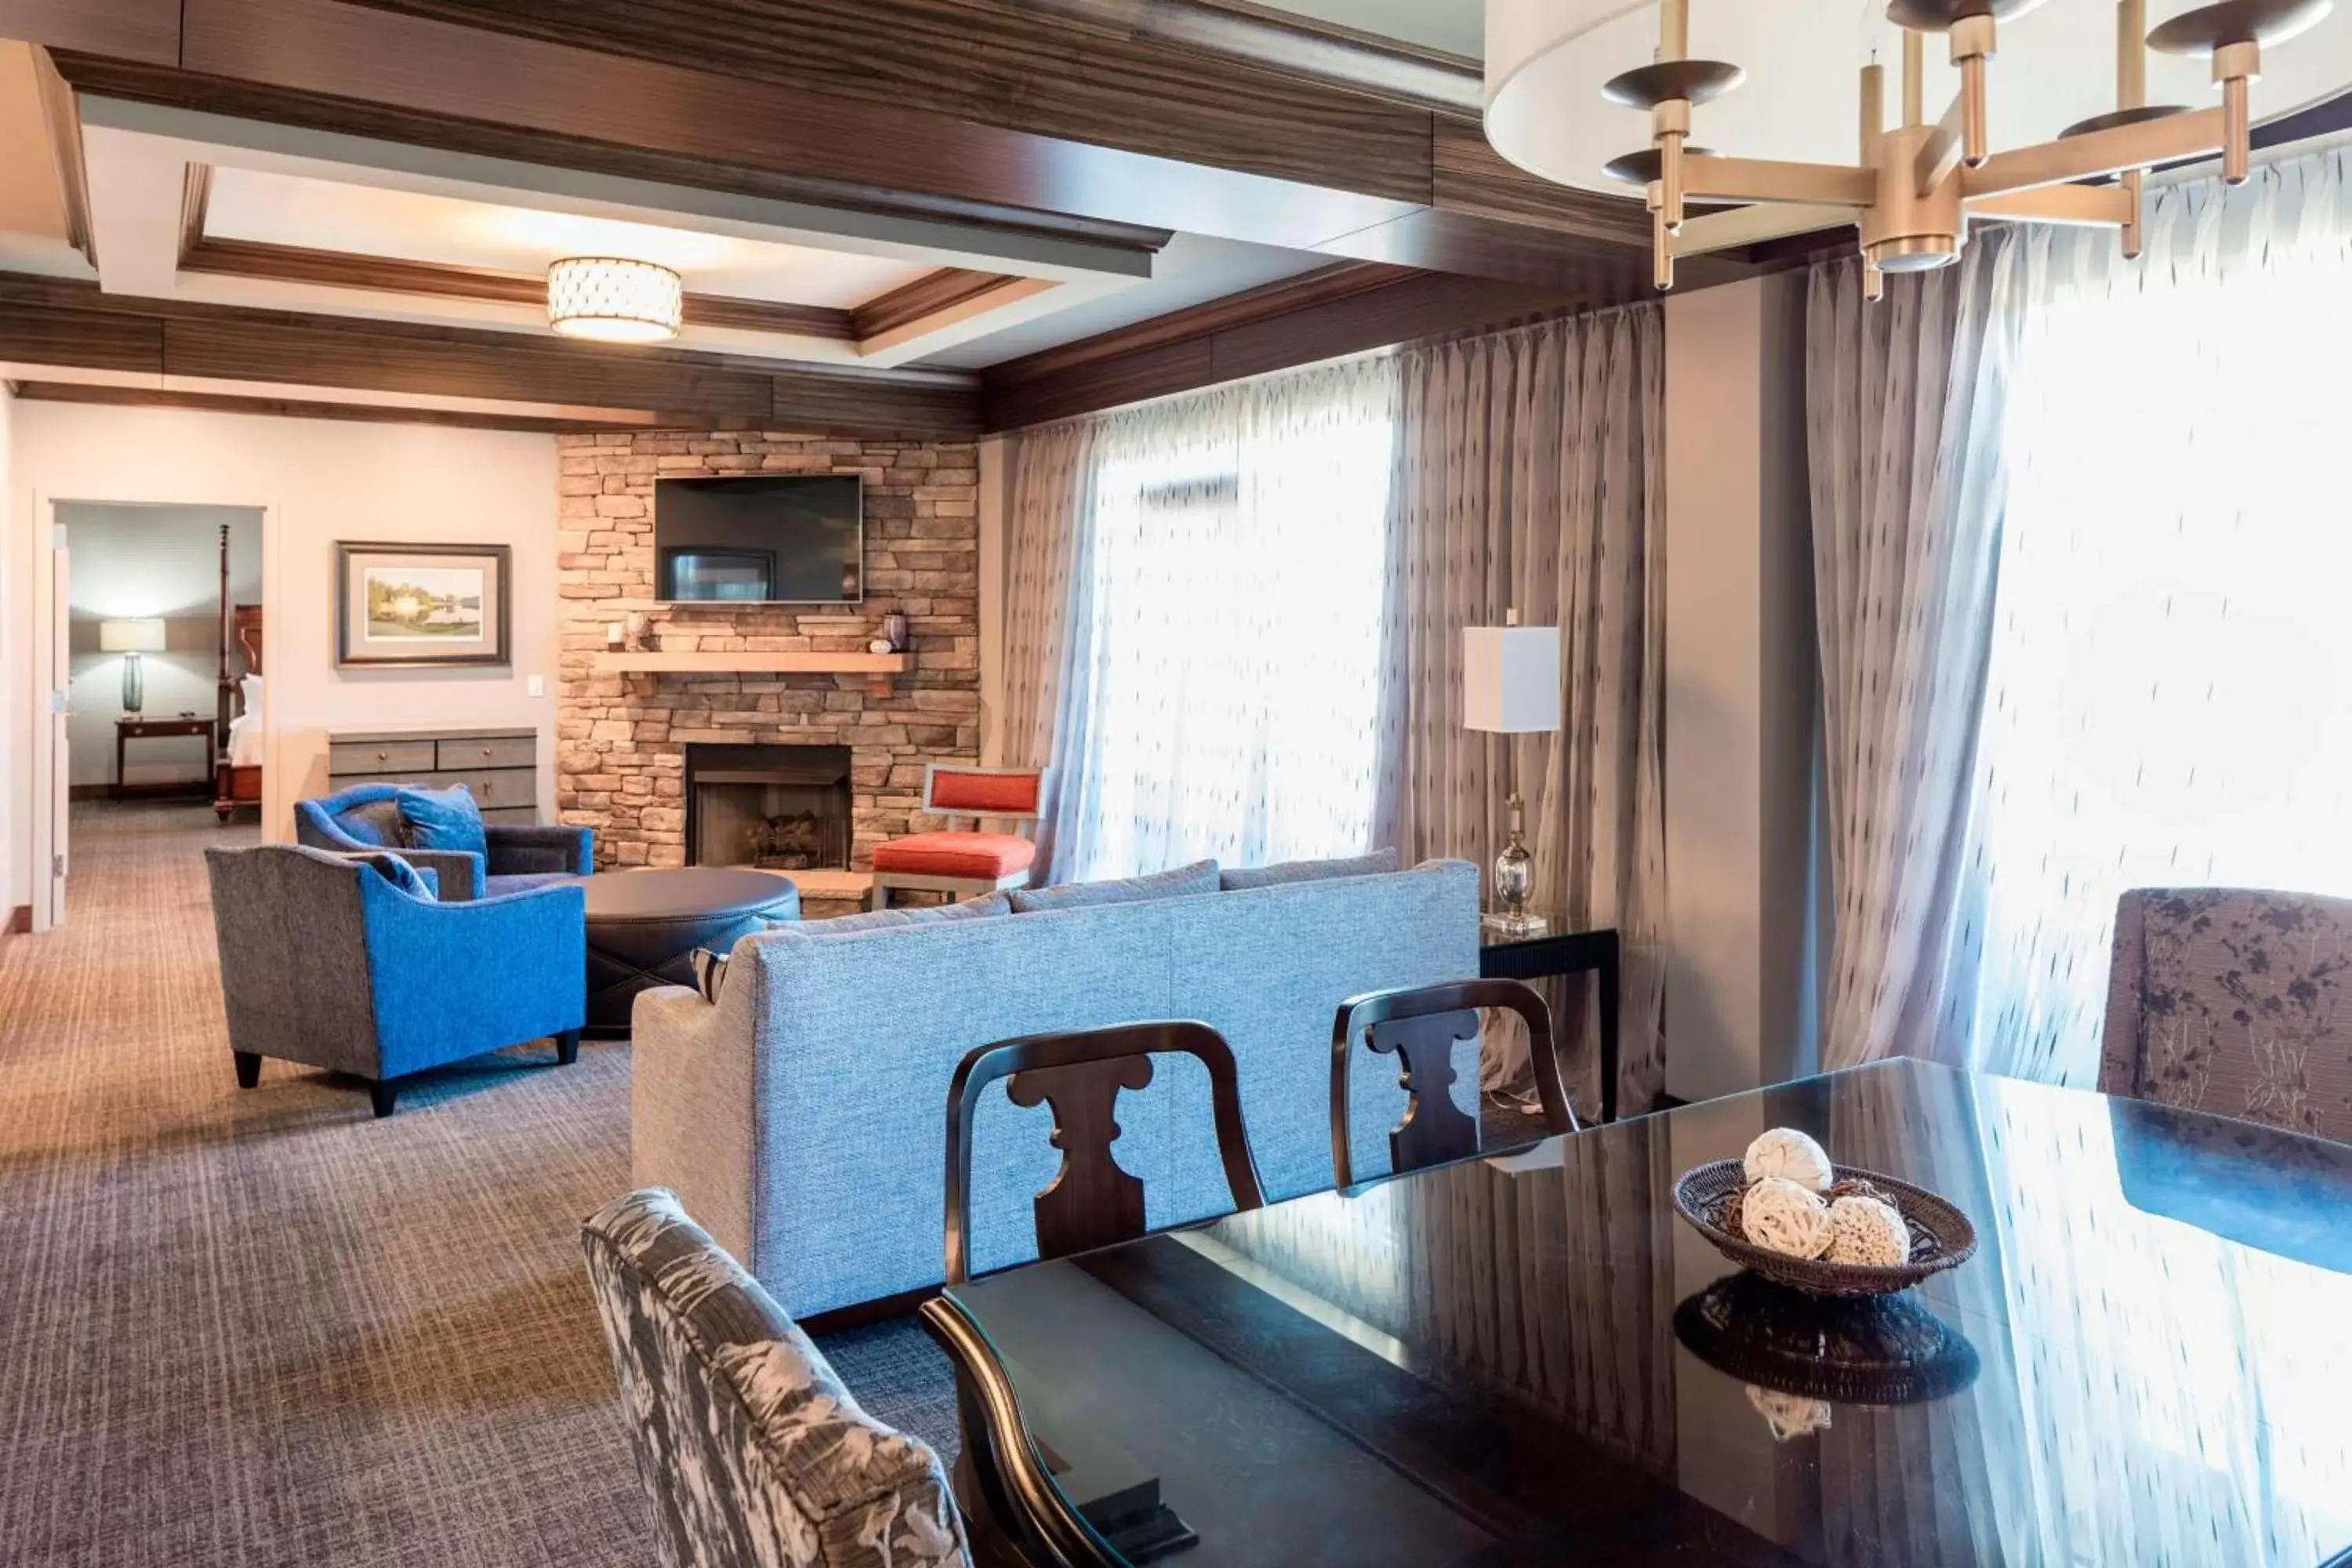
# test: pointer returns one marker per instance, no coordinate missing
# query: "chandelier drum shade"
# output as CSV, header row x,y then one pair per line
x,y
2029,134
609,300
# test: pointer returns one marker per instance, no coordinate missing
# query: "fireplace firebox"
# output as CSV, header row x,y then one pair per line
x,y
778,807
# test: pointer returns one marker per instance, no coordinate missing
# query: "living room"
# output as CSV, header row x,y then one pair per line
x,y
1200,793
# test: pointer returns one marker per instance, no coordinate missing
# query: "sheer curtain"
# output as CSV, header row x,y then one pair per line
x,y
1904,428
1198,622
2169,698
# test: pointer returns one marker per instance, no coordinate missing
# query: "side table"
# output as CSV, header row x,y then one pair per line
x,y
1557,950
127,729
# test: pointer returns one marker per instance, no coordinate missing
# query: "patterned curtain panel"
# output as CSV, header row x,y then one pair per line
x,y
1196,624
1531,481
1903,421
2169,701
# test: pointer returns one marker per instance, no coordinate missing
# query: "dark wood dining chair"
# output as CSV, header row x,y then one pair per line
x,y
1419,1024
1091,1202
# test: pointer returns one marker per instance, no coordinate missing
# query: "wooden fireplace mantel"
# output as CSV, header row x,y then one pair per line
x,y
878,667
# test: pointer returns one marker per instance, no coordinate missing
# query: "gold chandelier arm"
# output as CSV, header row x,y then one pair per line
x,y
2083,206
2096,153
1770,180
1940,153
1734,227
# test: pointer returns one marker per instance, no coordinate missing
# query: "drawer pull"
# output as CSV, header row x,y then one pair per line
x,y
382,755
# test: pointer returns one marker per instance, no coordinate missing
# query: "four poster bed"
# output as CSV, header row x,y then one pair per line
x,y
237,776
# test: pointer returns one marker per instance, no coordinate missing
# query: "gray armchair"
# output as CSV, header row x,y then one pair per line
x,y
2232,1000
753,1453
351,964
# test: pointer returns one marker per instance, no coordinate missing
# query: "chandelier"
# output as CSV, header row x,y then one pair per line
x,y
1916,183
612,300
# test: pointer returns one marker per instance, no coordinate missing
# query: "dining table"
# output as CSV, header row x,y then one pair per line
x,y
1530,1358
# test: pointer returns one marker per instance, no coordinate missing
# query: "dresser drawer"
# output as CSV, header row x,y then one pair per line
x,y
382,758
515,787
501,752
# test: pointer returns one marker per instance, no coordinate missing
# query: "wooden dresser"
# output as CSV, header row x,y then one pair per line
x,y
499,767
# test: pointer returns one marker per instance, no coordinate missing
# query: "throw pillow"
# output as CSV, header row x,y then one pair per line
x,y
1183,882
1377,863
709,974
443,819
404,876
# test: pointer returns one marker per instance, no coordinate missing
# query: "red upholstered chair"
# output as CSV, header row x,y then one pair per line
x,y
965,864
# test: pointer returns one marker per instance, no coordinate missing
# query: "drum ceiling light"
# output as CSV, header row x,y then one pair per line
x,y
1915,184
612,301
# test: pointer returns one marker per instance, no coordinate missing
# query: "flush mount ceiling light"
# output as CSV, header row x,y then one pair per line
x,y
612,300
1916,183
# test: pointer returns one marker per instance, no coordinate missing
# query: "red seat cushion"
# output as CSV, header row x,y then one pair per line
x,y
984,856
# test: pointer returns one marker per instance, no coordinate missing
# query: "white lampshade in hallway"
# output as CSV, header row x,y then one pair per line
x,y
142,635
1510,679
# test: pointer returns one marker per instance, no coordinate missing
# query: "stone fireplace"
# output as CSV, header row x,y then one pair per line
x,y
776,807
634,748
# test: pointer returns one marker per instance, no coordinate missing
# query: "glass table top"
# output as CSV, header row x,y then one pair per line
x,y
1530,1359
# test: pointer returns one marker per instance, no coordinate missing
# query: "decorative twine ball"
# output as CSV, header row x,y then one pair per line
x,y
1855,1187
1789,1415
1786,1152
1779,1214
1868,1231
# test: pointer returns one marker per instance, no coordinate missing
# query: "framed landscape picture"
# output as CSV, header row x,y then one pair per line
x,y
408,607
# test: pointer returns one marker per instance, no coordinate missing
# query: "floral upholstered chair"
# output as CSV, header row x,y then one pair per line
x,y
754,1454
2235,1002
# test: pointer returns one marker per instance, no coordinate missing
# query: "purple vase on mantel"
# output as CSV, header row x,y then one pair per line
x,y
894,631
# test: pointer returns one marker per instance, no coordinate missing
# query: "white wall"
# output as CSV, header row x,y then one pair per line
x,y
319,481
136,561
1742,682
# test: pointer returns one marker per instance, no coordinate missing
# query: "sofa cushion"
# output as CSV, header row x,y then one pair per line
x,y
376,822
443,819
1183,882
982,857
1378,863
882,920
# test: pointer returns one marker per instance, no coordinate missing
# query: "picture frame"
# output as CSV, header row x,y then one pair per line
x,y
423,606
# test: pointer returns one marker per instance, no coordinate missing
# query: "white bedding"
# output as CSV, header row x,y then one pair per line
x,y
244,740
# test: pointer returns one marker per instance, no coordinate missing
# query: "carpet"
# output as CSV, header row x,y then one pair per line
x,y
262,1328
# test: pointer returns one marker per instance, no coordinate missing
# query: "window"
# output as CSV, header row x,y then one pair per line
x,y
2169,698
1235,590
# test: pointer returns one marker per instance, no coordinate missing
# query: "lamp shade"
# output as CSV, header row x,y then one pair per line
x,y
1510,679
140,635
611,299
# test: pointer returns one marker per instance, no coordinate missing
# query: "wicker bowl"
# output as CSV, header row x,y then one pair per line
x,y
1941,1235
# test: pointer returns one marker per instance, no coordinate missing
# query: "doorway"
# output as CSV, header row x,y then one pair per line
x,y
156,615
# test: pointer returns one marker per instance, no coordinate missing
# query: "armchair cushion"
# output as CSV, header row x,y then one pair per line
x,y
982,857
443,819
418,882
377,822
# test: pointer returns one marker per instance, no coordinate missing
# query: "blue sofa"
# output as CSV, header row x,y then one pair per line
x,y
331,960
802,1117
366,819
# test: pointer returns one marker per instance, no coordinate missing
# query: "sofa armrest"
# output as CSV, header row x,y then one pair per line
x,y
693,1111
516,850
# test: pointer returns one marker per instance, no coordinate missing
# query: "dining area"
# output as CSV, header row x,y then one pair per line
x,y
2112,1330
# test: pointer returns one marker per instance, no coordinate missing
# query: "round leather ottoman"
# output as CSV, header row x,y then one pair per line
x,y
643,926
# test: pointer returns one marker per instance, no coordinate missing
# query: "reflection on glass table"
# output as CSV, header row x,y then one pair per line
x,y
1528,1359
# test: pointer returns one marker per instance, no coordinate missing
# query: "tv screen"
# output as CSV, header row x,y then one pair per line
x,y
773,538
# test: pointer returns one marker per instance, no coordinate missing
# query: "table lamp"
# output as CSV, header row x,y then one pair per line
x,y
130,638
1510,686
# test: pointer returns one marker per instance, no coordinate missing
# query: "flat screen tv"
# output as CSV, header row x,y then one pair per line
x,y
772,539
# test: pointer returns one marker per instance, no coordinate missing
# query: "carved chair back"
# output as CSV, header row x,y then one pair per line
x,y
1419,1024
1090,1202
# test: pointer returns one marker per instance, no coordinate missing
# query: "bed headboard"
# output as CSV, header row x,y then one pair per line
x,y
242,622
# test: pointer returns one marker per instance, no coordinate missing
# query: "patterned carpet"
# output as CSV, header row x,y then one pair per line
x,y
262,1328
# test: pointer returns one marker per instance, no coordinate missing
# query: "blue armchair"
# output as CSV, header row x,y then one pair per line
x,y
351,965
366,819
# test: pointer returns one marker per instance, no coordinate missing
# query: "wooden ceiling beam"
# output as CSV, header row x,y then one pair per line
x,y
49,322
113,396
1042,123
